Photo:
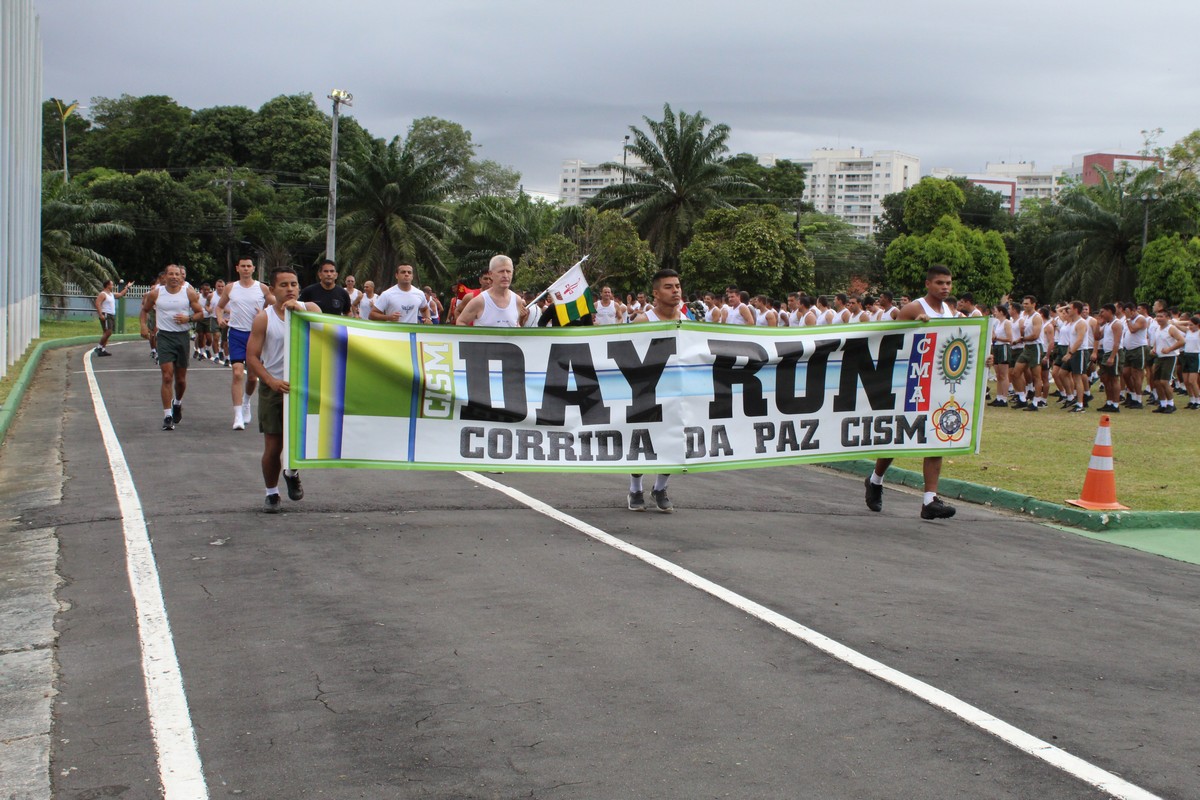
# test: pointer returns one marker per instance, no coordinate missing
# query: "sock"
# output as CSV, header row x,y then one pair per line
x,y
930,497
167,412
660,483
176,402
272,490
635,483
876,479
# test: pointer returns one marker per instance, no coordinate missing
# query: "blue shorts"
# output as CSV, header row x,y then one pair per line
x,y
237,345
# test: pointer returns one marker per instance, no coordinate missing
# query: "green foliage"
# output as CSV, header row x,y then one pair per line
x,y
495,224
1170,270
289,135
981,207
616,254
52,133
215,137
391,205
926,203
977,259
133,133
683,178
489,178
72,223
781,184
1028,251
752,247
838,255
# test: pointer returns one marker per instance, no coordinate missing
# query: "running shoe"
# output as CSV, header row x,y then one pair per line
x,y
937,510
874,495
661,500
1077,410
101,353
168,424
294,489
239,424
637,501
272,504
246,410
177,412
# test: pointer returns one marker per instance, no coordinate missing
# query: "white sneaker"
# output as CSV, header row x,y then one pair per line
x,y
246,415
239,424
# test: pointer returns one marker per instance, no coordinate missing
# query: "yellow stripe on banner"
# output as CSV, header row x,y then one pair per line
x,y
326,413
581,306
563,315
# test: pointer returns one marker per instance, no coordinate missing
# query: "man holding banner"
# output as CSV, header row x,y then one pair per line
x,y
498,306
932,306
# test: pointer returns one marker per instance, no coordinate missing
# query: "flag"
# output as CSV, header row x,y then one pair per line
x,y
571,295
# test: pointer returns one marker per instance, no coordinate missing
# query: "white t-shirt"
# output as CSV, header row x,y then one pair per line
x,y
408,302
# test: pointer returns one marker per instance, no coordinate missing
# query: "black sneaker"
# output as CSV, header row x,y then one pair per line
x,y
998,403
1168,409
101,352
1019,404
937,510
177,412
168,424
272,504
1078,410
637,501
661,500
294,489
874,495
1032,407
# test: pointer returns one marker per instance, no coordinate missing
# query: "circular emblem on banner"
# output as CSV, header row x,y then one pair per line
x,y
954,361
950,421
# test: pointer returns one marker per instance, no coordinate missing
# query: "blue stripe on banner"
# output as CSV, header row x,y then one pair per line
x,y
417,368
304,355
341,342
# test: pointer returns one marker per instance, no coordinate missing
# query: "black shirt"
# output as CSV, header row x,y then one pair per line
x,y
330,301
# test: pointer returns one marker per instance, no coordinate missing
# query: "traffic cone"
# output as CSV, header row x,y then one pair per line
x,y
1100,486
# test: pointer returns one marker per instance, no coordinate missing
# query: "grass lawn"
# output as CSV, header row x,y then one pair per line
x,y
51,329
1046,455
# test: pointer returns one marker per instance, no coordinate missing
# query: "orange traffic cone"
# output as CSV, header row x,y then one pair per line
x,y
1100,485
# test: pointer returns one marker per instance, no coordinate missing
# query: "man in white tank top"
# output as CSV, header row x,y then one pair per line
x,y
887,310
106,307
366,300
666,307
175,309
244,298
932,305
264,359
737,309
499,306
609,310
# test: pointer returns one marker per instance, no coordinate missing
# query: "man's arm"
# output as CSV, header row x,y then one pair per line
x,y
1035,328
100,304
381,314
426,316
254,347
1077,338
471,311
743,309
347,305
267,293
148,301
522,310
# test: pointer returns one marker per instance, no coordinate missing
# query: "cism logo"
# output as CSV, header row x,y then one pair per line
x,y
437,380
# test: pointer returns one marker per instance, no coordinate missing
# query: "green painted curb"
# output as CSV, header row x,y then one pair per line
x,y
1026,504
13,401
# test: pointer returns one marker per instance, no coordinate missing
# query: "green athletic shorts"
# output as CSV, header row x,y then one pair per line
x,y
174,347
1164,367
1135,357
1074,364
1102,364
1190,362
1031,355
270,410
1060,354
108,323
1014,353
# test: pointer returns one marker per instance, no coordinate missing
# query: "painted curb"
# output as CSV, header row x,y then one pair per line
x,y
1101,521
21,385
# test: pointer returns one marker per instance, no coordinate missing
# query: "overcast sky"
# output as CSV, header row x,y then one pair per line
x,y
957,84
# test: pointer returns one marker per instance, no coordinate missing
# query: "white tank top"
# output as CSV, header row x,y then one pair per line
x,y
364,307
823,317
606,314
167,306
272,352
1089,337
1163,340
109,304
1027,327
1106,337
244,304
734,315
1134,339
495,317
210,305
760,317
710,313
929,312
1191,341
1064,332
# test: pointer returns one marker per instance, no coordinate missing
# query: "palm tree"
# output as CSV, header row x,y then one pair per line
x,y
393,211
496,224
681,176
71,223
1097,235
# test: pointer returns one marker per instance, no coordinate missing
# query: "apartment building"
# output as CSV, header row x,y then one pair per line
x,y
851,185
580,181
1014,181
1084,166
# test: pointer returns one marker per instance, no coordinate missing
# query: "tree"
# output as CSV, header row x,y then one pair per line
x,y
215,137
490,225
981,207
616,254
838,255
444,142
751,247
290,135
977,259
52,132
1029,255
781,184
890,224
1170,270
683,178
931,199
134,133
72,224
391,204
489,178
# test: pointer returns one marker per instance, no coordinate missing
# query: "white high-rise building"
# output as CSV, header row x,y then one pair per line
x,y
851,185
581,181
1014,182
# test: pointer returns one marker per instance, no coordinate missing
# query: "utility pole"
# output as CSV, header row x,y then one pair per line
x,y
625,157
228,183
339,98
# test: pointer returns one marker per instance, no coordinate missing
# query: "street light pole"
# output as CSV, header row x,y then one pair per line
x,y
624,157
339,98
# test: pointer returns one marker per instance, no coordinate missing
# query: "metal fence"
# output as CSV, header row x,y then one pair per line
x,y
20,178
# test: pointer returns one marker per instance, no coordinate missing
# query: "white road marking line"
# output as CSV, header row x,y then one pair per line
x,y
1103,780
179,766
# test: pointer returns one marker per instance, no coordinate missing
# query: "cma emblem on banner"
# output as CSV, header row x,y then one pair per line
x,y
953,362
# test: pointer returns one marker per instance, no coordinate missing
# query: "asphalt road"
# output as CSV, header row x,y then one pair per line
x,y
420,635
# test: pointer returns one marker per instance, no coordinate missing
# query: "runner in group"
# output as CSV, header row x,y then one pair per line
x,y
497,306
106,307
932,306
667,294
402,302
175,309
265,357
609,310
366,300
244,299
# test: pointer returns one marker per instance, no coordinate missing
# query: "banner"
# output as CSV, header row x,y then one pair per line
x,y
657,398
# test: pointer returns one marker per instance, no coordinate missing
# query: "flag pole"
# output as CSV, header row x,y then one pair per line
x,y
547,289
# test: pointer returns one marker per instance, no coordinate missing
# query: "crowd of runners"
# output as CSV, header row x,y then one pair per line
x,y
1134,350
